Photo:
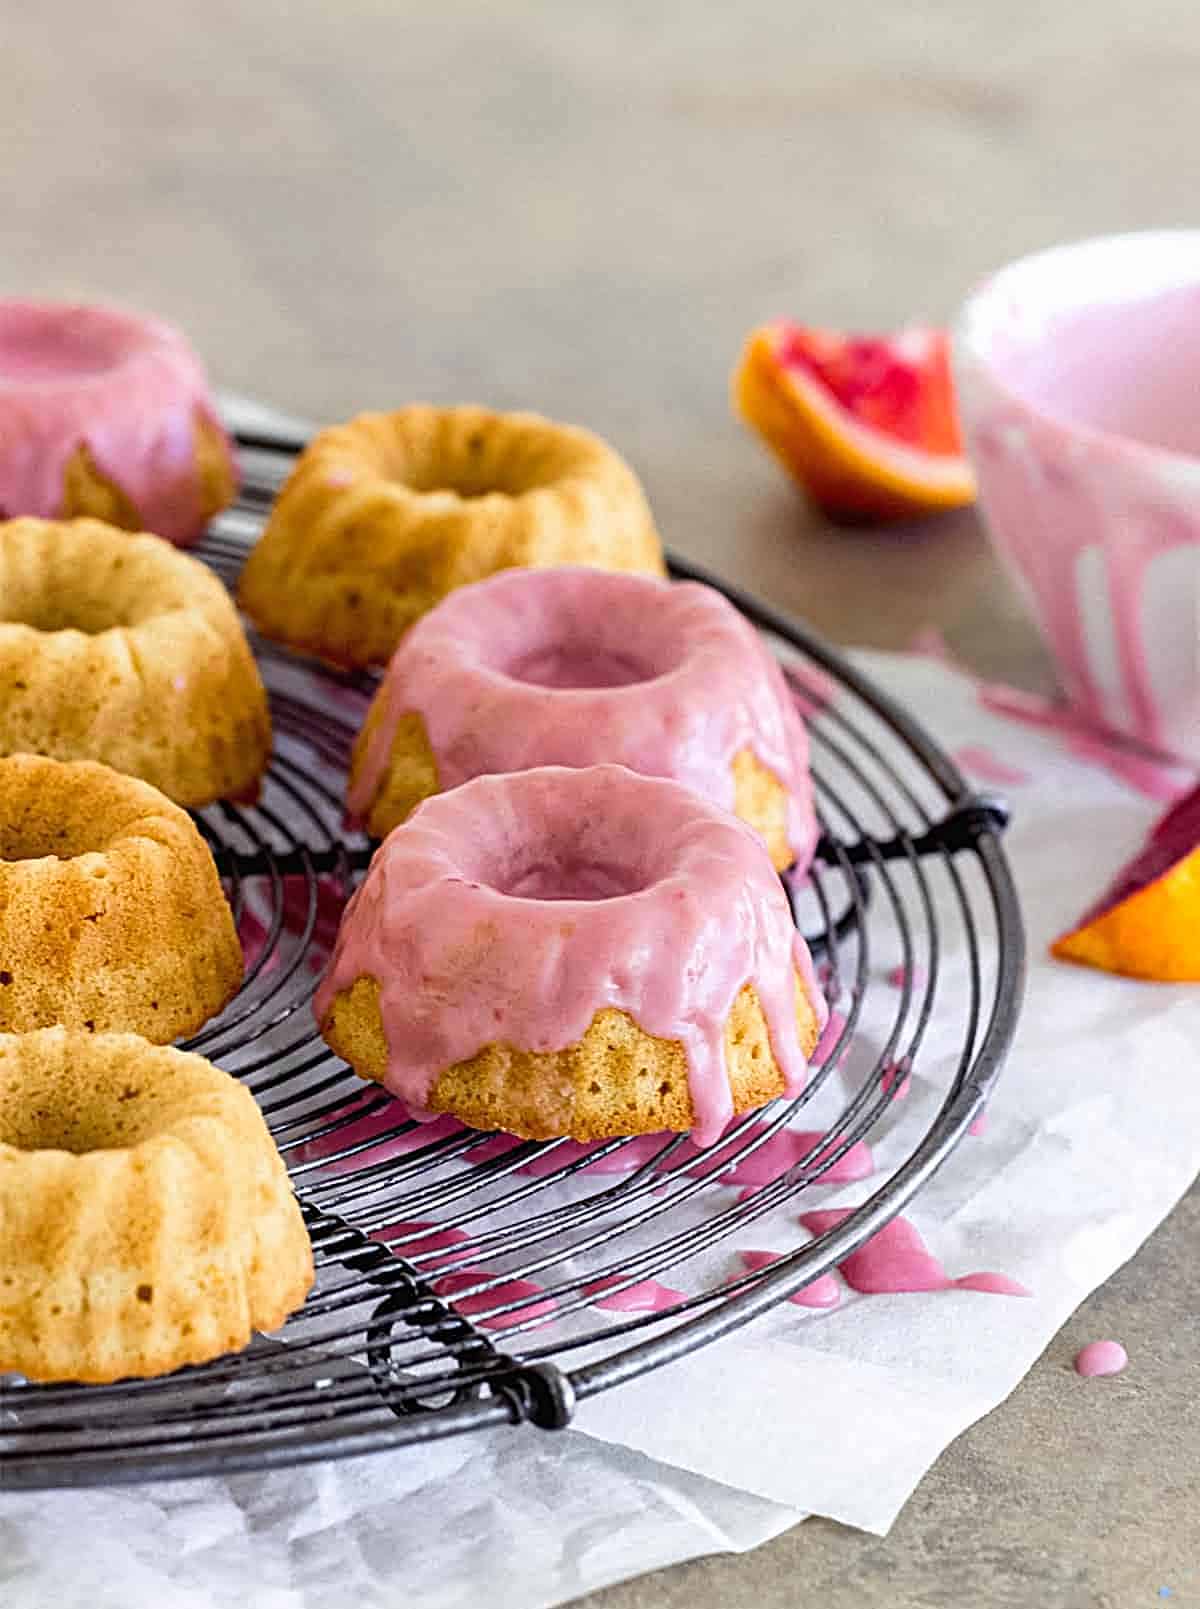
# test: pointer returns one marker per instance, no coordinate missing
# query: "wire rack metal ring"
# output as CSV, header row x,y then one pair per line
x,y
466,1280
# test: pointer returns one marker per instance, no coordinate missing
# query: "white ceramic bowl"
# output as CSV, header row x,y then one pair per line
x,y
1078,373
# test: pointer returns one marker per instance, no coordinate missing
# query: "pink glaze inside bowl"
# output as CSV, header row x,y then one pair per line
x,y
1126,367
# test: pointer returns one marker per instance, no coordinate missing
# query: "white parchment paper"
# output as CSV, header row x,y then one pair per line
x,y
1093,1135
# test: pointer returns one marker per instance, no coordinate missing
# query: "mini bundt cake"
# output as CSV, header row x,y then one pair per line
x,y
146,1218
575,667
573,952
112,916
106,414
384,516
121,649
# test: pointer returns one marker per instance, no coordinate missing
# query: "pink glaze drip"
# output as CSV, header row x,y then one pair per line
x,y
991,1285
986,766
914,976
129,389
897,1259
823,1292
772,1159
784,1150
1100,1357
647,1296
896,1079
462,962
511,1290
835,1027
978,1125
576,667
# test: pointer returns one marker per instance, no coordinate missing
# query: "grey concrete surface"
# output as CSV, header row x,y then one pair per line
x,y
581,207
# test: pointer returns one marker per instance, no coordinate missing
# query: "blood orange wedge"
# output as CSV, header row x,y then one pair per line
x,y
867,424
1147,925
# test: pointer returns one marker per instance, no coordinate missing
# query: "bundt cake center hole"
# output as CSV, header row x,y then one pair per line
x,y
580,665
570,876
79,610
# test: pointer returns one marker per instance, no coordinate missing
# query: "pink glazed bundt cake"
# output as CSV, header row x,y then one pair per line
x,y
576,667
383,516
573,952
106,414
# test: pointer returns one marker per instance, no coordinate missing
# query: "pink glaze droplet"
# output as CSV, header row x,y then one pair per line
x,y
896,1079
647,1296
512,1290
978,1125
897,1259
915,975
986,766
823,1292
1100,1357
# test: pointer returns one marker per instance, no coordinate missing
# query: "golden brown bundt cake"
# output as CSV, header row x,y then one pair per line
x,y
107,414
385,515
146,1218
120,648
111,912
570,666
573,952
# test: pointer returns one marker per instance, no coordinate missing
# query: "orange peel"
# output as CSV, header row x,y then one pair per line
x,y
1147,923
866,424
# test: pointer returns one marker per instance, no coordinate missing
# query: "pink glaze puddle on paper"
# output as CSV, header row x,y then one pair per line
x,y
575,666
375,1129
991,1285
785,1150
415,1241
1158,778
129,389
986,766
1100,1357
897,1259
463,963
510,1290
824,1291
647,1296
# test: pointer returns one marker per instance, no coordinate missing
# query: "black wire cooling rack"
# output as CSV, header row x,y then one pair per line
x,y
466,1281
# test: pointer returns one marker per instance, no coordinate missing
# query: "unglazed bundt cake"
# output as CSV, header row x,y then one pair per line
x,y
111,912
119,648
146,1219
107,414
384,516
575,667
573,952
